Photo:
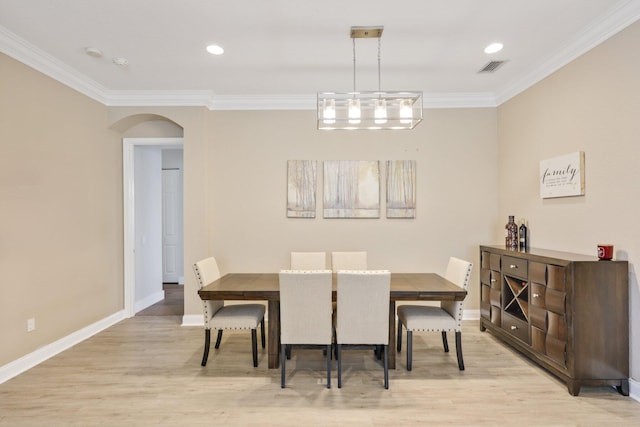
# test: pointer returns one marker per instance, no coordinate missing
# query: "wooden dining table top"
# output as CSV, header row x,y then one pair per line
x,y
265,286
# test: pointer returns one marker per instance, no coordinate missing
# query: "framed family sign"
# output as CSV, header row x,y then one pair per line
x,y
562,176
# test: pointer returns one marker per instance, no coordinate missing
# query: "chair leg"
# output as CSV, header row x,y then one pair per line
x,y
386,367
287,351
207,342
339,355
262,332
254,347
328,352
282,364
219,338
399,340
459,350
445,343
409,348
378,352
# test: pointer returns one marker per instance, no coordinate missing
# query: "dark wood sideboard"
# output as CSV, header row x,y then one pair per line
x,y
569,313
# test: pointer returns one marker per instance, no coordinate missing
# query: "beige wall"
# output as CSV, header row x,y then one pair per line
x,y
60,211
591,105
247,228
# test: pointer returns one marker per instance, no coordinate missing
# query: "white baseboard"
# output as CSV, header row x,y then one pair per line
x,y
148,301
193,320
634,389
27,362
471,315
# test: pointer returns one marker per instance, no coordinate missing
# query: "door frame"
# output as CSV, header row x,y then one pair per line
x,y
128,187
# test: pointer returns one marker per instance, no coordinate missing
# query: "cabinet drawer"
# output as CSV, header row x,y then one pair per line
x,y
555,301
557,327
538,295
484,260
494,262
485,292
539,340
494,297
538,272
485,310
496,316
485,276
515,267
555,277
516,327
538,316
556,349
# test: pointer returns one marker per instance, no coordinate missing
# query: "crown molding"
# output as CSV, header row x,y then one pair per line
x,y
158,98
30,55
615,21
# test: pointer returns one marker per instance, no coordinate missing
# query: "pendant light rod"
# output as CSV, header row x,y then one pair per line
x,y
354,64
379,86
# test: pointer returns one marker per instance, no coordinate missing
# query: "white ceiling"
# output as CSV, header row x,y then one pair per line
x,y
281,52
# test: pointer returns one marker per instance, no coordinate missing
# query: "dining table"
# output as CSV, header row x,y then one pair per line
x,y
265,287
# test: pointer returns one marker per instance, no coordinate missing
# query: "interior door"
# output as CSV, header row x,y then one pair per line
x,y
172,262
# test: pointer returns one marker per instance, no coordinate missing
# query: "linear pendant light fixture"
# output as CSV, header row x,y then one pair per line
x,y
371,110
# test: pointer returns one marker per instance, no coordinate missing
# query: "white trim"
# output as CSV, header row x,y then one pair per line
x,y
471,315
23,51
14,46
128,145
634,389
615,21
159,98
43,353
193,320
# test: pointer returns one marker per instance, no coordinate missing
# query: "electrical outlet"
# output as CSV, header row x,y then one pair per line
x,y
31,324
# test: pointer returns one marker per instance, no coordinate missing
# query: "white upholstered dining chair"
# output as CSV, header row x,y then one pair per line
x,y
445,318
305,313
363,313
348,261
308,260
219,316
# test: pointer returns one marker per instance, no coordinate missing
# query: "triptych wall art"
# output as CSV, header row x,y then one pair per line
x,y
351,188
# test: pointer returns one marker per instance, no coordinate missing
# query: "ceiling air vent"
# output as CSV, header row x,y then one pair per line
x,y
491,66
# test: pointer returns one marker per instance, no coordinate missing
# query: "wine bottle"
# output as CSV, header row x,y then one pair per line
x,y
511,234
523,235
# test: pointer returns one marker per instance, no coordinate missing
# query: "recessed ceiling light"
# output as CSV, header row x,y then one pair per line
x,y
92,51
493,48
214,49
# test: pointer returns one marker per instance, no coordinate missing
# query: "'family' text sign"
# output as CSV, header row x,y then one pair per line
x,y
562,176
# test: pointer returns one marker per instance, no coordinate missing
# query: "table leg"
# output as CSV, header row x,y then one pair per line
x,y
273,340
392,334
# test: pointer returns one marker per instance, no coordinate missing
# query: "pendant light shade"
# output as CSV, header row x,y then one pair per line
x,y
371,110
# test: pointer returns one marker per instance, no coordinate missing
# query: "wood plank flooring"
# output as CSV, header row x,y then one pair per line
x,y
171,305
145,371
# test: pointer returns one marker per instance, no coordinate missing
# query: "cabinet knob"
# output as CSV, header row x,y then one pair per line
x,y
514,327
513,266
536,295
493,280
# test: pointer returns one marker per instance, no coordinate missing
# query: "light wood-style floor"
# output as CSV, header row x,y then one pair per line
x,y
171,305
145,371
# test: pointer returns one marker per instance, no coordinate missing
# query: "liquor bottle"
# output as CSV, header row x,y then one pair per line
x,y
511,234
523,238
